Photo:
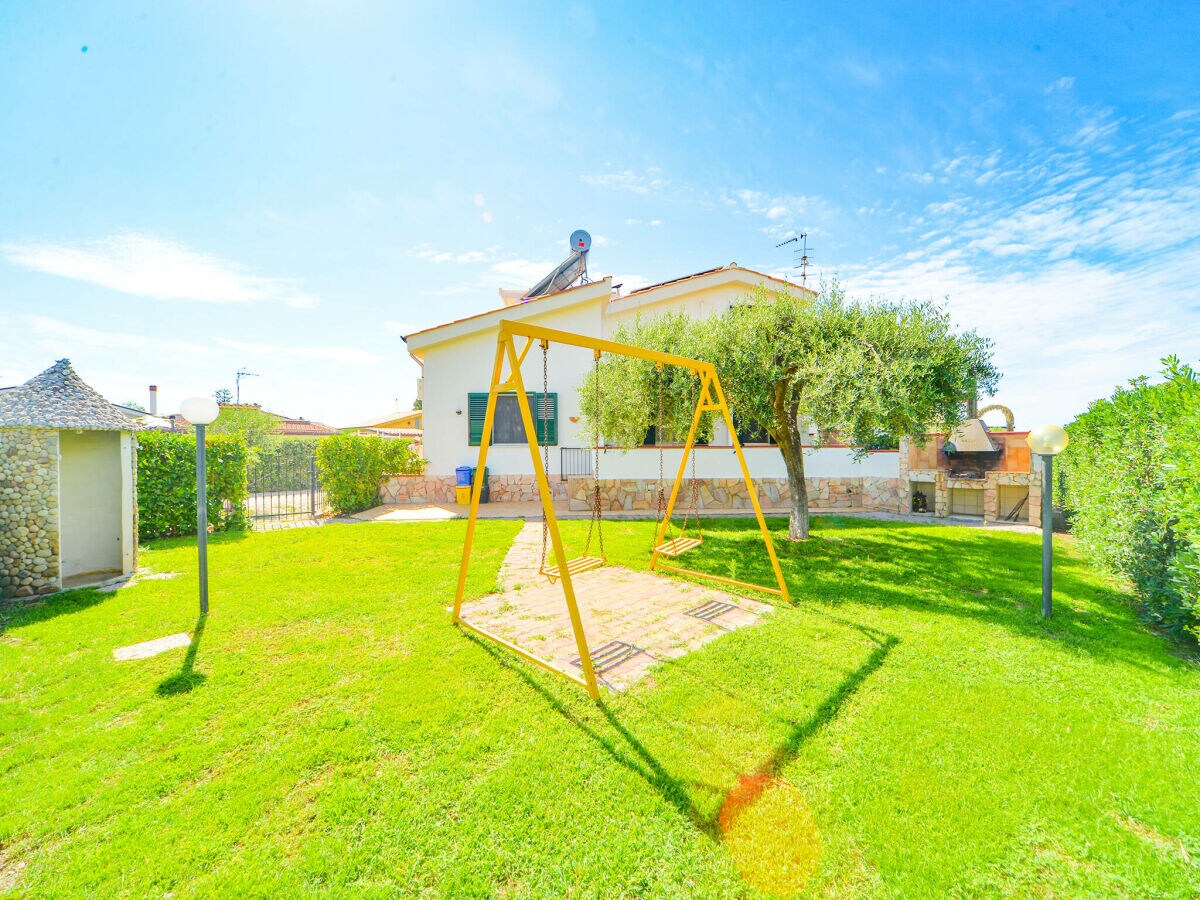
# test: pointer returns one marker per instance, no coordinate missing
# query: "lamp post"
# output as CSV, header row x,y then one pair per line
x,y
1047,441
201,411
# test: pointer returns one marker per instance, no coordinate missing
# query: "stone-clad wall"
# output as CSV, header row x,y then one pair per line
x,y
29,561
732,493
640,493
440,489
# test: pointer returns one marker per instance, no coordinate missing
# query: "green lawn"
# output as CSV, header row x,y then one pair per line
x,y
909,727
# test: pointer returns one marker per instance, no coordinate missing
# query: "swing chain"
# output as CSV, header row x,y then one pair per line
x,y
596,521
658,439
541,436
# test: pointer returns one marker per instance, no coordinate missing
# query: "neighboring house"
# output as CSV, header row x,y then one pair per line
x,y
457,357
68,486
288,427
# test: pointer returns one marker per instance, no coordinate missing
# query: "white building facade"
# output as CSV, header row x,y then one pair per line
x,y
457,361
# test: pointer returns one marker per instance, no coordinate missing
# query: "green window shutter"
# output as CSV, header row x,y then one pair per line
x,y
545,409
476,413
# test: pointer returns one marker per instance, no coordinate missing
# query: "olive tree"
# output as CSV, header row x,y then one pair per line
x,y
852,369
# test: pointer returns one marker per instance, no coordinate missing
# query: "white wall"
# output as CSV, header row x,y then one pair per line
x,y
764,462
463,366
91,481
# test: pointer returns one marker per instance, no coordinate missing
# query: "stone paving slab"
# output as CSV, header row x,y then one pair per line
x,y
615,603
146,649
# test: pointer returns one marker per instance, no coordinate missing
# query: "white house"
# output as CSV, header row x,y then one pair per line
x,y
457,358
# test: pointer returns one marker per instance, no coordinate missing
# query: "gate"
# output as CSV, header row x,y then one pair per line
x,y
284,483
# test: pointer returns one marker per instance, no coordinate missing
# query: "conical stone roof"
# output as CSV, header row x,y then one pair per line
x,y
58,398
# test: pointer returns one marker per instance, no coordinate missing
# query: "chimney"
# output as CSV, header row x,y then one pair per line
x,y
154,399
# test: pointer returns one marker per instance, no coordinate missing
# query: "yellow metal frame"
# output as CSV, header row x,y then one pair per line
x,y
712,399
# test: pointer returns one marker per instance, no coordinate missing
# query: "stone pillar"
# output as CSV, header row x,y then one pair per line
x,y
991,498
904,495
941,496
29,514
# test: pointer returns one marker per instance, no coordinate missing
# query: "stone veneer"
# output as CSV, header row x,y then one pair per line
x,y
639,493
732,493
29,537
441,489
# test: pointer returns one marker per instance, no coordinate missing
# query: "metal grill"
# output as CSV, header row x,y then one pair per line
x,y
609,656
574,461
711,610
283,483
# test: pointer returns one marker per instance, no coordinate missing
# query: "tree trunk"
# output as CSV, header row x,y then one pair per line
x,y
792,448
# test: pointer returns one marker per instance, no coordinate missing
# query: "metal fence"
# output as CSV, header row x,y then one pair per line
x,y
574,461
284,483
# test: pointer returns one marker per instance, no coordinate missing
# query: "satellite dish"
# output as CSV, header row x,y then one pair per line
x,y
581,241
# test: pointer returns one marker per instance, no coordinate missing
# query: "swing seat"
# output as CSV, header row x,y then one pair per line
x,y
677,546
574,567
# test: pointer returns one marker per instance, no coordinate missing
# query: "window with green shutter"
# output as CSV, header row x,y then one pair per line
x,y
508,427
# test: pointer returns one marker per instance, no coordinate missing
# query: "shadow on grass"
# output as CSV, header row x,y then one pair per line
x,y
631,752
992,577
186,679
21,611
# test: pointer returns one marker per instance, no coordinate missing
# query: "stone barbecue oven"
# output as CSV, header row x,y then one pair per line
x,y
68,486
974,473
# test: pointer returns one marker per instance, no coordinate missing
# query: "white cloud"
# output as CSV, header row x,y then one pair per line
x,y
351,356
627,180
1083,269
1062,84
429,253
146,266
401,328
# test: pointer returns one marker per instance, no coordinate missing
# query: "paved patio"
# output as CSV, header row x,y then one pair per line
x,y
648,612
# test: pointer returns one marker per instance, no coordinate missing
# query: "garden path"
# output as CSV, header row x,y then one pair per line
x,y
654,615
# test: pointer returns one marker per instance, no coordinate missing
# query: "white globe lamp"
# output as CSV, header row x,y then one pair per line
x,y
1047,441
201,411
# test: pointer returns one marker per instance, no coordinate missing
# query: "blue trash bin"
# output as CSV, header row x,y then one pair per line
x,y
462,476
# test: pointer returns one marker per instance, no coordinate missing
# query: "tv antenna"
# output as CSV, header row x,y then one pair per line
x,y
240,374
800,258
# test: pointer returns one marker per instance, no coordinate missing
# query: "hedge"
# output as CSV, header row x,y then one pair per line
x,y
1131,484
167,483
353,468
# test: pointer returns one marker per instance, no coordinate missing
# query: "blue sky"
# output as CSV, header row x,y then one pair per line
x,y
190,188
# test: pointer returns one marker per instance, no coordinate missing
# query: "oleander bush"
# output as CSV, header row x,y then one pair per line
x,y
167,483
353,468
1131,484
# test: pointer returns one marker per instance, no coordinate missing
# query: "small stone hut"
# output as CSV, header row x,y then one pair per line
x,y
68,486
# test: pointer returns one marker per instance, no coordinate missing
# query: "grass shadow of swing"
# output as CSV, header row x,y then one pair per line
x,y
993,577
649,732
187,678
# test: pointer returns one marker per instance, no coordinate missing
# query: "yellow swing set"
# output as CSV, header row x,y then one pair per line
x,y
563,569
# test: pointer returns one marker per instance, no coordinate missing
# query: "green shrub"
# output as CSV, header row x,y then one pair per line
x,y
1131,483
167,483
353,468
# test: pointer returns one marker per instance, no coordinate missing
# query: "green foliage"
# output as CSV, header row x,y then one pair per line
x,y
1131,482
868,372
167,483
353,467
249,422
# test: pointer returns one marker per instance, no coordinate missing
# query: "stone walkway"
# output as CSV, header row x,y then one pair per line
x,y
641,609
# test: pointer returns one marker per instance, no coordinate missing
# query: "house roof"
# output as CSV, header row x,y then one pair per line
x,y
732,267
562,297
302,428
58,398
511,307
